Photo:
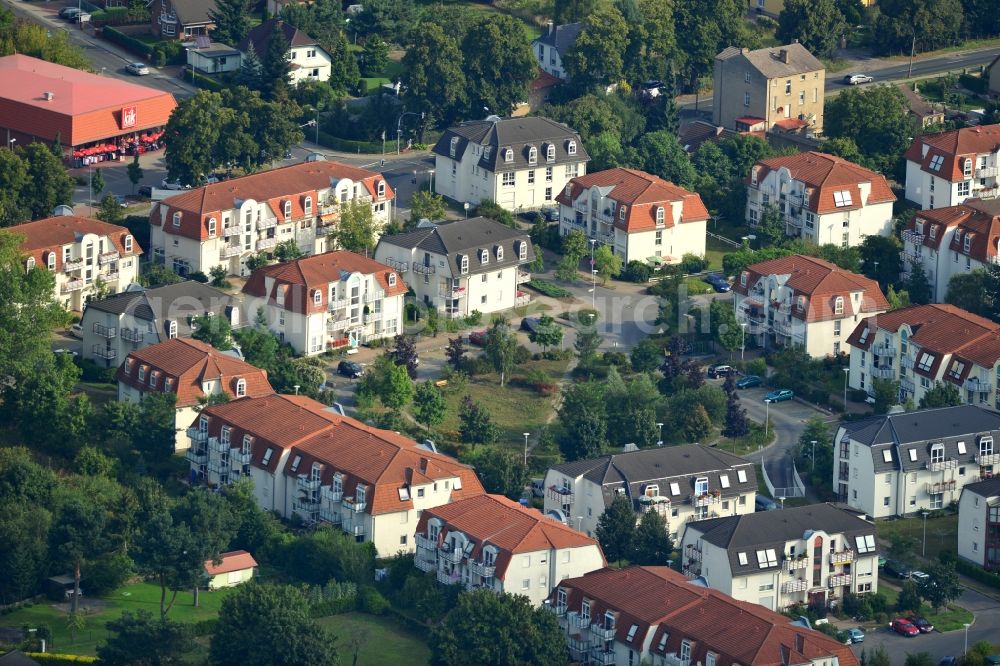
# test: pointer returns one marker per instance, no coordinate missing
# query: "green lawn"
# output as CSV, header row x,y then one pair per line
x,y
942,533
393,71
140,596
697,286
382,640
949,618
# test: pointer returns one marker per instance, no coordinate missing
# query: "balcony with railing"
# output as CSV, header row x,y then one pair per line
x,y
482,569
655,504
357,530
132,335
884,372
240,457
561,495
842,557
398,266
837,580
521,298
452,292
978,385
451,554
307,483
608,237
448,578
986,172
602,632
73,264
329,494
216,445
523,276
797,563
334,325
579,648
266,223
110,276
73,285
229,232
907,362
105,352
939,487
782,327
108,257
351,504
912,237
331,516
941,465
230,251
675,660
907,385
794,586
266,243
197,436
422,269
988,458
705,499
103,331
884,350
196,455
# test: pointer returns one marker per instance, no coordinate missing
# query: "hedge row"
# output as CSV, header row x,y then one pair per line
x,y
978,573
52,659
126,41
349,145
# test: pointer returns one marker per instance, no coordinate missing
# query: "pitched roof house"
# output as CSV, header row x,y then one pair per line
x,y
979,523
307,59
182,19
946,168
491,541
234,567
551,48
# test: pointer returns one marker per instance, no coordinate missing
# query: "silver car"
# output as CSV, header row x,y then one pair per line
x,y
857,79
137,68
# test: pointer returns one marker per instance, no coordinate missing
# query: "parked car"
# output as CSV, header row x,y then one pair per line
x,y
82,17
948,661
881,560
70,13
478,338
718,282
903,627
762,503
530,324
780,395
76,331
919,577
748,381
550,214
721,370
349,369
137,68
173,185
538,487
920,623
857,79
120,198
897,568
145,191
855,635
65,351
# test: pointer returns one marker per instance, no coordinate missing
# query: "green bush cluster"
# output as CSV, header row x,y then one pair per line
x,y
126,41
549,289
349,145
52,659
978,573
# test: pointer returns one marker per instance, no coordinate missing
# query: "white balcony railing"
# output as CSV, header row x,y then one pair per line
x,y
197,456
482,569
977,385
425,564
986,172
523,277
354,505
706,499
884,372
308,483
798,563
452,293
942,465
197,436
940,487
229,232
230,251
842,557
330,495
988,459
331,516
132,335
73,285
108,257
604,657
450,554
105,352
912,237
794,586
602,632
446,578
266,243
73,264
266,223
836,580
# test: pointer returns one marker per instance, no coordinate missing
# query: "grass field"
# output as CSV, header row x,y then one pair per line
x,y
141,596
382,640
949,618
942,533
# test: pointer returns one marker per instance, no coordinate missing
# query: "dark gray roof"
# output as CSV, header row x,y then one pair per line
x,y
193,11
466,237
561,37
768,60
133,302
518,134
662,466
986,488
919,431
751,532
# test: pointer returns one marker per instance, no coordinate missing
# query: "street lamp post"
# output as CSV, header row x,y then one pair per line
x,y
965,650
526,449
767,411
743,339
813,455
466,207
593,271
782,500
399,125
660,426
923,548
847,372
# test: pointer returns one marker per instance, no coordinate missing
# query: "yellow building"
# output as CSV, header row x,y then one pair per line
x,y
236,567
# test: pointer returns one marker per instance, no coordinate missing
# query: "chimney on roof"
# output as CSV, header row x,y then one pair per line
x,y
49,96
552,27
783,55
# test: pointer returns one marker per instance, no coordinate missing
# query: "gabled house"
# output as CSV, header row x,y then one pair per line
x,y
683,483
979,523
328,300
946,168
901,464
194,372
234,568
805,302
309,61
619,617
821,198
489,541
637,214
521,163
84,254
138,318
551,48
307,460
811,555
462,266
922,112
182,19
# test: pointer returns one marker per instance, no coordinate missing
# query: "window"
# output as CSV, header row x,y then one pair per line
x,y
802,97
675,488
724,480
177,219
741,475
50,261
956,369
531,177
267,456
128,240
571,148
710,659
288,210
380,188
29,264
967,167
631,633
142,373
532,155
746,99
241,388
746,76
685,650
660,216
499,252
936,162
621,212
842,198
743,559
937,453
550,153
967,242
933,230
508,179
172,329
963,188
926,360
548,194
508,155
913,454
317,297
767,558
961,448
548,174
701,485
838,305
986,446
464,264
788,87
453,148
522,250
307,206
484,257
887,455
392,279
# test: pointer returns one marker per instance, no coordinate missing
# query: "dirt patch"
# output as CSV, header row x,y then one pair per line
x,y
86,606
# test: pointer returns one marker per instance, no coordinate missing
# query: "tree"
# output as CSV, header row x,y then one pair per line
x,y
499,348
356,229
596,58
261,623
818,26
275,66
919,659
376,56
167,553
652,44
429,406
110,210
651,542
455,352
77,536
498,64
574,11
404,353
97,184
232,21
697,425
547,334
586,345
909,597
496,630
583,418
491,209
941,395
135,173
968,291
500,469
433,74
897,299
48,184
607,263
880,259
725,327
425,205
211,523
736,419
646,356
942,585
13,181
876,119
877,657
397,389
770,229
158,436
886,393
287,250
660,153
476,423
905,26
918,286
616,529
24,551
575,245
704,28
139,639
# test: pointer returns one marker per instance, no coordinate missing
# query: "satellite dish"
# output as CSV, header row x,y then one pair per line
x,y
62,210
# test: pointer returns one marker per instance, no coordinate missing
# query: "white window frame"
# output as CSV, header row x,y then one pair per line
x,y
307,206
571,147
288,210
508,155
128,243
532,155
177,219
317,297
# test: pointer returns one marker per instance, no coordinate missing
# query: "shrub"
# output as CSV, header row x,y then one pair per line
x,y
198,276
978,573
95,373
976,84
584,317
476,365
757,366
52,659
637,271
618,359
692,263
549,289
370,601
474,318
204,627
521,355
126,41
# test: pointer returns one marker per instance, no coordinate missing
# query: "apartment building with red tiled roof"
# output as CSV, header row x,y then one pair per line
x,y
924,345
328,300
194,372
225,223
83,253
307,459
805,302
489,541
822,198
953,241
946,168
656,615
637,214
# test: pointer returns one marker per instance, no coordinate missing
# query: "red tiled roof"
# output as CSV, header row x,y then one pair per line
x,y
84,107
820,282
791,123
234,560
643,193
187,363
544,80
504,523
953,146
51,233
825,174
302,276
975,219
737,632
292,183
381,460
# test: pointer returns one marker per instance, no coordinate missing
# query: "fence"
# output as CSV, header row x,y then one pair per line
x,y
727,241
798,490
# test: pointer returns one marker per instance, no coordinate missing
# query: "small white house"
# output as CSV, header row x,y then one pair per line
x,y
213,58
308,59
235,567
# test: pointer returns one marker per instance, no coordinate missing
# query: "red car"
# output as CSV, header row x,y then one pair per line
x,y
904,627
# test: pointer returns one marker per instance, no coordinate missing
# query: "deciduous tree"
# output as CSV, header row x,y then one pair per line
x,y
597,57
818,26
433,74
138,638
232,21
429,406
77,536
607,263
660,153
616,529
500,469
426,205
499,348
876,120
498,64
941,395
547,334
356,229
583,418
476,423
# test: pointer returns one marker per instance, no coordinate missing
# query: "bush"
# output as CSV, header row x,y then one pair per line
x,y
198,276
52,659
474,318
978,573
584,317
95,373
204,627
548,288
757,366
127,42
692,263
476,365
109,572
636,271
977,84
371,601
348,145
521,355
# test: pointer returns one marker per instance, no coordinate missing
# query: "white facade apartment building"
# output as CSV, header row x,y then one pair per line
x,y
979,523
926,345
952,241
822,198
462,266
654,615
683,483
811,555
307,59
491,542
945,169
900,464
225,223
521,163
637,214
82,253
306,459
550,49
805,302
328,300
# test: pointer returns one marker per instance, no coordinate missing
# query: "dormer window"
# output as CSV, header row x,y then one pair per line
x,y
177,219
484,257
172,329
224,434
967,242
128,242
522,250
508,155
743,278
933,230
142,373
660,216
838,305
569,189
936,162
967,167
392,279
247,441
487,151
532,155
550,152
128,366
621,213
800,303
381,189
453,148
241,387
753,175
29,264
307,206
288,210
499,252
463,264
571,147
317,297
50,261
918,226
